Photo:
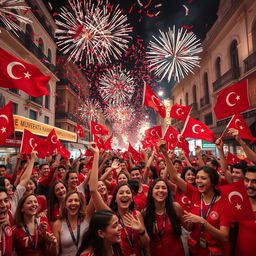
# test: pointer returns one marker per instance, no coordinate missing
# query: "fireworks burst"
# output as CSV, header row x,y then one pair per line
x,y
98,31
89,110
174,54
117,86
8,15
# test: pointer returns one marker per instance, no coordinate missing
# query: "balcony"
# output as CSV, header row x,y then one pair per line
x,y
250,62
65,115
204,101
194,106
68,83
232,74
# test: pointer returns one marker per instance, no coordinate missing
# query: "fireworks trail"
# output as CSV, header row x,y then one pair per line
x,y
174,54
8,15
92,30
117,86
89,110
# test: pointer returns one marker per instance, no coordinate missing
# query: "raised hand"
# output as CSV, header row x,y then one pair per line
x,y
132,222
93,147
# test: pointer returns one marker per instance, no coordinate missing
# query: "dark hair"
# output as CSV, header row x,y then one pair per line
x,y
3,166
36,163
81,166
67,176
113,204
61,166
250,169
99,221
150,214
134,184
213,162
42,165
2,181
185,170
242,165
122,172
177,161
136,168
153,170
213,175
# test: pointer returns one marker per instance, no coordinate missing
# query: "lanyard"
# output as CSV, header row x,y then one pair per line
x,y
34,244
3,241
130,239
161,233
76,241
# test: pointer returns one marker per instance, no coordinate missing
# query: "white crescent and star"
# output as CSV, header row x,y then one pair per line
x,y
228,99
183,200
153,132
234,193
194,128
52,139
5,117
239,127
171,136
11,65
97,129
30,143
178,112
156,101
178,137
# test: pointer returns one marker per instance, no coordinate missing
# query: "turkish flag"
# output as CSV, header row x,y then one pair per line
x,y
99,141
98,129
52,142
237,122
238,204
146,143
171,137
231,100
108,143
6,122
32,142
232,159
197,130
63,151
154,133
150,99
80,130
183,143
135,154
15,73
180,112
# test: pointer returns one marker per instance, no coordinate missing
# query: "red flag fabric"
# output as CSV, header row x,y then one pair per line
x,y
154,133
237,122
32,142
231,100
135,155
98,129
6,122
171,137
99,141
238,204
232,159
15,73
180,112
108,142
63,151
150,99
183,143
197,130
146,143
52,142
88,152
80,130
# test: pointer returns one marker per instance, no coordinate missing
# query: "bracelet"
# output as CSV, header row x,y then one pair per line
x,y
142,233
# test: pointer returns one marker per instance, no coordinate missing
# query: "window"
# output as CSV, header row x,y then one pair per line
x,y
47,98
206,89
46,119
29,36
37,100
14,90
208,119
234,58
15,108
194,94
49,55
180,101
254,35
217,68
186,98
41,47
32,114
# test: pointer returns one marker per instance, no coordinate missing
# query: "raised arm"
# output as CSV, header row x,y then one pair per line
x,y
147,166
199,156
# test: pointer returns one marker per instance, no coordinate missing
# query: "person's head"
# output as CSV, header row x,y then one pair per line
x,y
189,175
177,165
194,164
207,179
83,169
162,173
71,180
250,181
31,187
72,205
212,163
28,206
44,170
102,189
134,185
4,205
123,165
36,166
110,175
61,170
35,175
3,170
122,198
4,182
159,193
122,177
238,171
136,173
104,229
161,164
152,172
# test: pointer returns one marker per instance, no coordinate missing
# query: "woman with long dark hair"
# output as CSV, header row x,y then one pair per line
x,y
163,220
103,236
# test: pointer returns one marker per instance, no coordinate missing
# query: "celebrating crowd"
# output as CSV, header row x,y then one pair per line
x,y
109,204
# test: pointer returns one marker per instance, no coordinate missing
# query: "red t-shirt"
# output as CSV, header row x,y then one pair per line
x,y
246,240
216,217
42,203
6,242
182,199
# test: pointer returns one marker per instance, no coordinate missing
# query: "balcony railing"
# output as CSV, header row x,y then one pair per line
x,y
65,115
233,73
68,83
204,101
250,62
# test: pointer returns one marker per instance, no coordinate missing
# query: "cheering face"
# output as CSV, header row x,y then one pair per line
x,y
190,177
250,184
30,206
72,181
4,206
31,187
161,165
60,191
135,174
73,204
124,197
102,189
203,182
122,179
61,172
123,166
177,166
45,170
2,172
237,175
112,233
8,187
160,191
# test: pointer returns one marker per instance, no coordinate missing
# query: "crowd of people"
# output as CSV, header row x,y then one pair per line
x,y
167,204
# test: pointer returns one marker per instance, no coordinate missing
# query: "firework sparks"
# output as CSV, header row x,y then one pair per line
x,y
117,86
89,110
93,30
8,15
174,54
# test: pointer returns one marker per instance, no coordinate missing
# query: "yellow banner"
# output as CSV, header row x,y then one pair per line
x,y
21,123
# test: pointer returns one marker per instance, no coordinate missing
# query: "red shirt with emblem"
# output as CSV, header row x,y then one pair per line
x,y
183,200
6,241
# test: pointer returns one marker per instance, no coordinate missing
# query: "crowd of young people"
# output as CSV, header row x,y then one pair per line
x,y
162,205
